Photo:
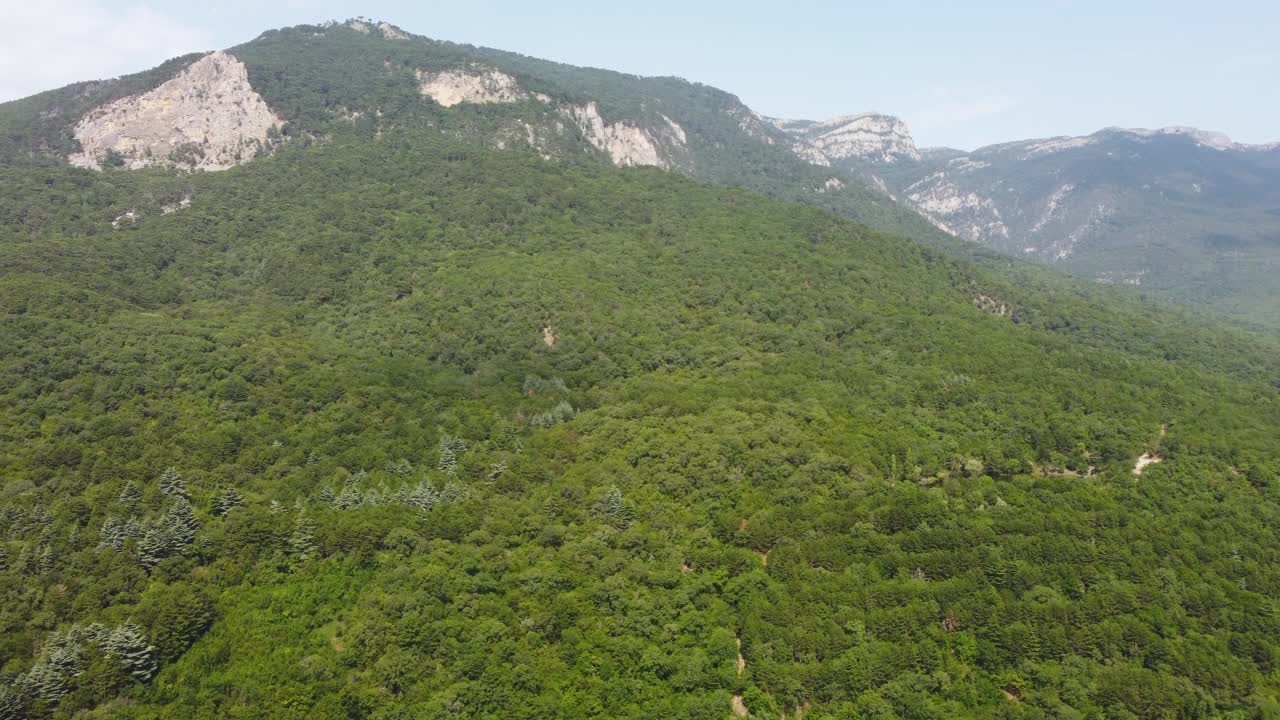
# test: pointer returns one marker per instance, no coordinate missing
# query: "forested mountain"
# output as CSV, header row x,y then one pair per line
x,y
360,79
395,421
1181,213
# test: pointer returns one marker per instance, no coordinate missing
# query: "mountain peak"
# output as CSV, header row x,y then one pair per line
x,y
870,136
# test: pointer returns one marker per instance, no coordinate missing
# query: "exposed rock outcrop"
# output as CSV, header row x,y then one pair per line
x,y
476,84
627,144
391,32
208,117
867,136
962,213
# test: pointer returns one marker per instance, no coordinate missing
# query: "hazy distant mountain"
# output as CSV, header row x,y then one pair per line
x,y
1180,211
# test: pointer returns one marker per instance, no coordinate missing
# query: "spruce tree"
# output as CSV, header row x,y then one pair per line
x,y
13,702
302,542
65,654
131,494
171,483
112,535
182,519
44,682
156,544
226,501
451,448
614,509
129,645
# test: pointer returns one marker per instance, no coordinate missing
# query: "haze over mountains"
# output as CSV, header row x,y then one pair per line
x,y
1183,213
350,374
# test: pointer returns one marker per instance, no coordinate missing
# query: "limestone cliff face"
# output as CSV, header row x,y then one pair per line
x,y
626,144
206,118
866,136
470,85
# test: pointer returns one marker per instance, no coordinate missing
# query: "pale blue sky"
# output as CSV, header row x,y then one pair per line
x,y
962,73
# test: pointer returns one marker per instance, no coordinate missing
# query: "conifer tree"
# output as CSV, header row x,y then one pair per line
x,y
128,644
112,535
450,450
44,682
226,501
302,542
182,519
131,494
613,508
172,483
13,703
156,544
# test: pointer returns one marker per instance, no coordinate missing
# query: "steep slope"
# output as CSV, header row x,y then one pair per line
x,y
457,432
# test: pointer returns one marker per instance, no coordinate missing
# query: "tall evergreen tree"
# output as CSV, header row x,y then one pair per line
x,y
302,542
13,702
128,643
131,494
44,682
182,519
173,484
227,500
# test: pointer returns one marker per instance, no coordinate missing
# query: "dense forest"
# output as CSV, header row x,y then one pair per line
x,y
401,428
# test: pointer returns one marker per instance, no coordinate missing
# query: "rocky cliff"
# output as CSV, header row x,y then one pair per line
x,y
208,117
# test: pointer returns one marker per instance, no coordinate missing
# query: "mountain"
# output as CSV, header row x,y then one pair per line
x,y
381,413
1179,212
282,86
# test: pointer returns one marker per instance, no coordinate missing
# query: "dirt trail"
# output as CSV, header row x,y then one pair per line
x,y
1150,458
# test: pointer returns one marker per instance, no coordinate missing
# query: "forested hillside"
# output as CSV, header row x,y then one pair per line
x,y
396,427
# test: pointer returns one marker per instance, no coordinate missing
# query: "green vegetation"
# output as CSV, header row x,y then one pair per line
x,y
402,429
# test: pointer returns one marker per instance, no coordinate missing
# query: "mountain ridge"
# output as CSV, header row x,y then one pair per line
x,y
865,165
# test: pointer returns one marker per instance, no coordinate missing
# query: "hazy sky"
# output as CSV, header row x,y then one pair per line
x,y
963,74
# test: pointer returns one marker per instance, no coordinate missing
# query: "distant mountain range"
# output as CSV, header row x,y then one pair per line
x,y
1181,212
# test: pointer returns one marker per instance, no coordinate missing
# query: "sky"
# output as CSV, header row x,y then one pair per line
x,y
962,74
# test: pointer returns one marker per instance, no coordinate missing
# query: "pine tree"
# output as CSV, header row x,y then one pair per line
x,y
422,496
129,645
349,497
450,449
156,544
44,682
131,494
228,500
614,509
302,542
182,519
66,653
453,492
13,703
171,483
401,467
112,535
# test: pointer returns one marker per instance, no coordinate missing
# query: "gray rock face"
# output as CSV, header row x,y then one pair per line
x,y
867,136
208,117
